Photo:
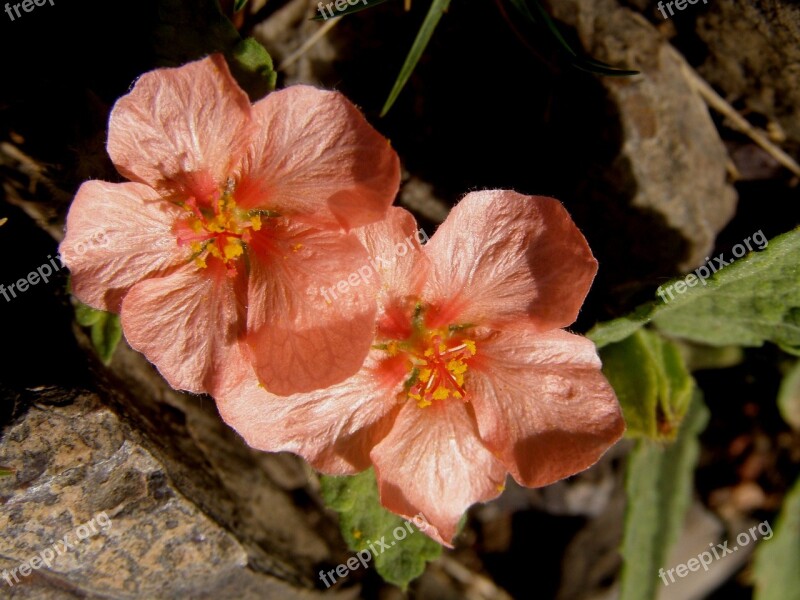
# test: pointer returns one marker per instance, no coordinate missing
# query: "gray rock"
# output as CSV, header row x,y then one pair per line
x,y
178,506
671,161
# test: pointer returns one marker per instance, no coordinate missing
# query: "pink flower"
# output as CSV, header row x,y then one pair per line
x,y
236,216
470,376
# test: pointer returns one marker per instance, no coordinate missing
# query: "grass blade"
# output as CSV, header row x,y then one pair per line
x,y
435,13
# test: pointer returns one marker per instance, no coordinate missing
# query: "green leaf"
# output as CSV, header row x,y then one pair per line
x,y
252,67
7,471
579,62
754,299
618,329
349,10
437,9
776,569
187,31
651,382
659,483
86,316
106,331
364,522
748,302
789,397
239,5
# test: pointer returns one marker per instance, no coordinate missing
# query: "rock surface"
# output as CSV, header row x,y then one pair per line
x,y
191,511
671,160
754,58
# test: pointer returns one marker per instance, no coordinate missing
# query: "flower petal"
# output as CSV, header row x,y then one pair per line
x,y
184,127
501,257
433,462
542,404
189,324
334,429
117,235
315,156
311,310
395,252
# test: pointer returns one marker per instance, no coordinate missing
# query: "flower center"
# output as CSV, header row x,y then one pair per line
x,y
440,369
218,229
437,361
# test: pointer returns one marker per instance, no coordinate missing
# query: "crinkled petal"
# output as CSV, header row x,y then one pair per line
x,y
311,312
395,254
316,157
189,325
334,429
542,404
501,258
183,128
432,461
117,235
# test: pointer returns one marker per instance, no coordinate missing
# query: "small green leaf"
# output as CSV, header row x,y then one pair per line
x,y
437,9
325,14
106,331
652,384
364,522
776,569
86,316
659,483
7,471
789,397
754,299
252,66
239,5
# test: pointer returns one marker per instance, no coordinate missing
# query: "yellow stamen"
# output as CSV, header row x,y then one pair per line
x,y
438,364
233,249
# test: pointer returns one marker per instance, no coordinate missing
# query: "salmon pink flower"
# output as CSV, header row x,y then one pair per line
x,y
470,376
235,217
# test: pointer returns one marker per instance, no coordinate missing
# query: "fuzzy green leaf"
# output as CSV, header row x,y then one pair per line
x,y
651,382
659,483
364,522
437,9
752,300
777,560
239,5
618,329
